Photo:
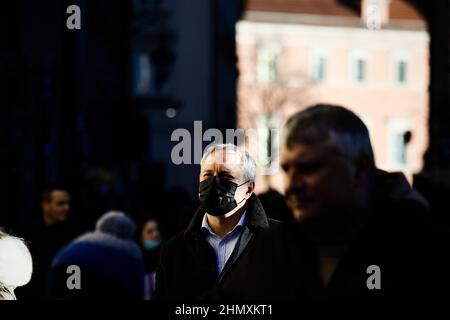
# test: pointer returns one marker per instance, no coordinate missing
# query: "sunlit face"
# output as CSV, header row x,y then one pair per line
x,y
58,208
227,165
318,184
150,231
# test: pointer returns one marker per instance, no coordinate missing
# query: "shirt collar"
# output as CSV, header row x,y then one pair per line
x,y
240,224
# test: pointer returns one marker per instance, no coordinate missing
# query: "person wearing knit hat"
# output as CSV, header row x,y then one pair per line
x,y
110,262
15,265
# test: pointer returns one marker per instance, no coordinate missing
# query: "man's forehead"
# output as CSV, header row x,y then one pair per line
x,y
151,225
308,151
60,194
223,160
223,157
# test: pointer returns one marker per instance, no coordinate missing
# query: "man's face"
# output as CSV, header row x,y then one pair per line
x,y
57,209
227,165
318,183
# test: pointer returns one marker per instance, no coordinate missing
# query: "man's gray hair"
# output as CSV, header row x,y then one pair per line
x,y
248,163
344,129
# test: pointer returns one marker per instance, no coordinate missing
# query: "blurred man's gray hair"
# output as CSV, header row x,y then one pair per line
x,y
344,129
247,161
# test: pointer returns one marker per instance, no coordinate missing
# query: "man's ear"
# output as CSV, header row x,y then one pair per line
x,y
250,188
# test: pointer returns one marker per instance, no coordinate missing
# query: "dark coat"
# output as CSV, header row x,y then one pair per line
x,y
399,239
187,268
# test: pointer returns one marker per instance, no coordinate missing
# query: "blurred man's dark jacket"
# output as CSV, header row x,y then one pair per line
x,y
399,238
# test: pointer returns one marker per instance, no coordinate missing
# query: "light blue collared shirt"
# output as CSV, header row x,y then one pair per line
x,y
223,247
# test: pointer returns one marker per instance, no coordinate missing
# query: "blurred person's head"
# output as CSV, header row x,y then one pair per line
x,y
110,261
328,164
227,179
55,205
116,223
150,235
15,265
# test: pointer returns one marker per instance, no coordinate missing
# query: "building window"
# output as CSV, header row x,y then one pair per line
x,y
358,65
399,148
399,136
319,68
401,69
360,70
267,66
268,147
319,64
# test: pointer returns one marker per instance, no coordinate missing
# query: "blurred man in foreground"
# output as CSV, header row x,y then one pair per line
x,y
355,231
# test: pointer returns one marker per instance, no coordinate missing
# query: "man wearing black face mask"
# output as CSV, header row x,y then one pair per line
x,y
224,229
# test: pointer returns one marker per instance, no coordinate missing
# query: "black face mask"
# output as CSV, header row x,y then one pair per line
x,y
217,195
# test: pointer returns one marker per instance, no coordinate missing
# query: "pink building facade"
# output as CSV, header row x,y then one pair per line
x,y
290,60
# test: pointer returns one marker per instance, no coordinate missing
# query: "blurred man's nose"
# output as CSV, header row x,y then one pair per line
x,y
293,179
290,176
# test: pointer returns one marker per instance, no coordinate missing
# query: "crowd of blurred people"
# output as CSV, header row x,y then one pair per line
x,y
339,218
117,251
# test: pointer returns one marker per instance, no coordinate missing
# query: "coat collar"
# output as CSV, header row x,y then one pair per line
x,y
256,217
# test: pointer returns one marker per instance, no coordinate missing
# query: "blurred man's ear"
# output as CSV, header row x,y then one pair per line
x,y
363,169
45,205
